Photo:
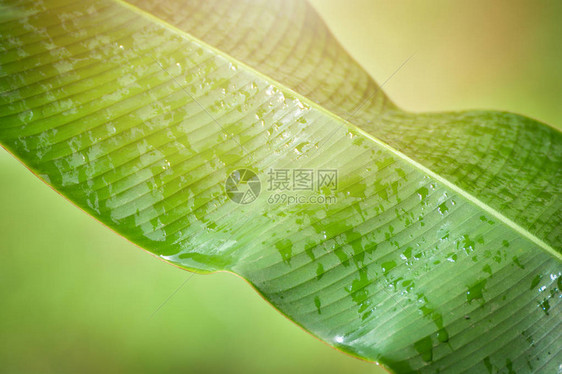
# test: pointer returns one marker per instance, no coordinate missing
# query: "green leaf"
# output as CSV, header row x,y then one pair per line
x,y
439,250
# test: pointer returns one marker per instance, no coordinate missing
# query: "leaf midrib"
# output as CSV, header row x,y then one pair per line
x,y
470,197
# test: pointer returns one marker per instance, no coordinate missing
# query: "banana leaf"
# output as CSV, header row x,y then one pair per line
x,y
239,136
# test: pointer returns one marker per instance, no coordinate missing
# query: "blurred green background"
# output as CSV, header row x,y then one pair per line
x,y
77,298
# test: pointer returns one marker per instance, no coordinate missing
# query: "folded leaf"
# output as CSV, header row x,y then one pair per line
x,y
429,242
